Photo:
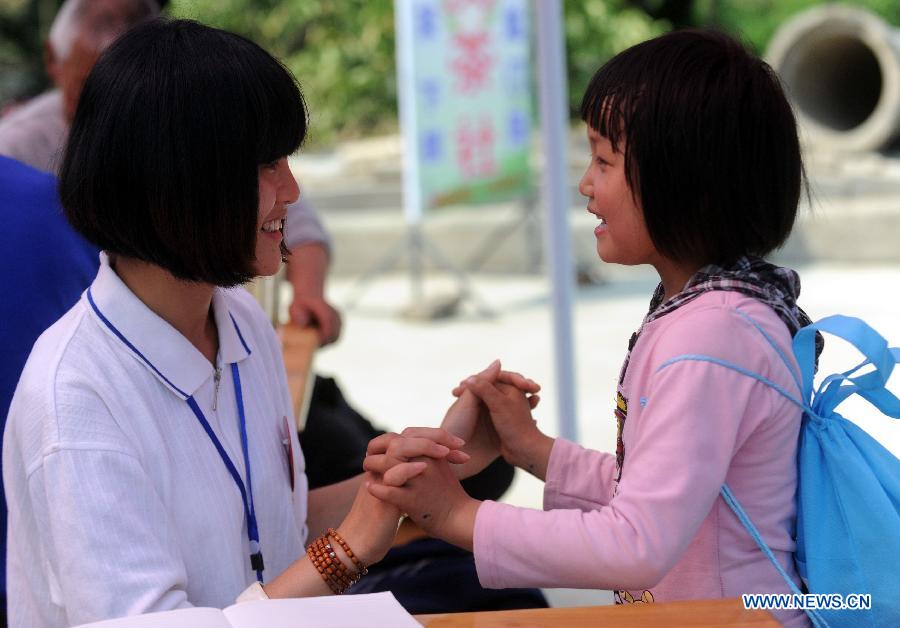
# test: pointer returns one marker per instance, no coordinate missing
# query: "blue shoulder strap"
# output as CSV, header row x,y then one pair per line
x,y
836,388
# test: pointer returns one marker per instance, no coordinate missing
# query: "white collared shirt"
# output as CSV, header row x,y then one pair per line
x,y
118,501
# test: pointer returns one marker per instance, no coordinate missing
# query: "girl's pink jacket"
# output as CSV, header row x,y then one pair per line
x,y
662,532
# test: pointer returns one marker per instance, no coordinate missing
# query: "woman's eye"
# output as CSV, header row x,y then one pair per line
x,y
272,165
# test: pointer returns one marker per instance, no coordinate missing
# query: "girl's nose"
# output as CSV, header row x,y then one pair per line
x,y
584,186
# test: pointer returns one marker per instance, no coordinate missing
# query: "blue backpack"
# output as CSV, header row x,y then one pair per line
x,y
848,509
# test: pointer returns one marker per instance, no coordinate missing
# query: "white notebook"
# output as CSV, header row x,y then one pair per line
x,y
337,611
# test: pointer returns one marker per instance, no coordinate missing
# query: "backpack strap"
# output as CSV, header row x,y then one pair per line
x,y
790,367
865,339
871,386
699,357
735,506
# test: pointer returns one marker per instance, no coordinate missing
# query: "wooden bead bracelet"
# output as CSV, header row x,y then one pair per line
x,y
334,572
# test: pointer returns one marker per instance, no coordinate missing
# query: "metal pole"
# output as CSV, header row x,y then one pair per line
x,y
554,134
412,194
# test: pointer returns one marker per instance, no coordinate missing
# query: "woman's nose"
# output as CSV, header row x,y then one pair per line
x,y
289,188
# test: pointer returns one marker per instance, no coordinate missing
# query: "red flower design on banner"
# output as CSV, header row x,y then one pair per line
x,y
475,148
472,64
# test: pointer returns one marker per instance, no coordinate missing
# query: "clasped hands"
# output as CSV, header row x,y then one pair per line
x,y
418,470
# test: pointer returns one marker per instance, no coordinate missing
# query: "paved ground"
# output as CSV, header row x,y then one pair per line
x,y
399,372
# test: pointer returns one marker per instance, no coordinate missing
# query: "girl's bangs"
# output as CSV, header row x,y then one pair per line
x,y
608,106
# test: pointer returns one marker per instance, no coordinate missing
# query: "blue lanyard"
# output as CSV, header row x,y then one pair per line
x,y
256,557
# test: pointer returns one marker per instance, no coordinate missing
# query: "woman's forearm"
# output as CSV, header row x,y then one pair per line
x,y
301,579
329,505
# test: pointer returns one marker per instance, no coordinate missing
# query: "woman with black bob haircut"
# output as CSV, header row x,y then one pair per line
x,y
174,126
149,458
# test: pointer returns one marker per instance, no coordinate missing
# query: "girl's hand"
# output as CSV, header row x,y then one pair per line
x,y
432,497
521,442
389,450
495,374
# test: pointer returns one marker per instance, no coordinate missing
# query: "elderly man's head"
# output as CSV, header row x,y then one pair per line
x,y
81,31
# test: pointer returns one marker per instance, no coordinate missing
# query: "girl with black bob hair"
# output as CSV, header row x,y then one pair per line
x,y
150,459
695,169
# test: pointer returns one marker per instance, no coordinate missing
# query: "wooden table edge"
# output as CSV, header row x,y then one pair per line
x,y
695,613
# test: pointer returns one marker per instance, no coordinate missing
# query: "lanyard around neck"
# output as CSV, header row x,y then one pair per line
x,y
256,557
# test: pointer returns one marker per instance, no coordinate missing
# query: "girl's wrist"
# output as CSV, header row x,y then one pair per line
x,y
460,526
532,455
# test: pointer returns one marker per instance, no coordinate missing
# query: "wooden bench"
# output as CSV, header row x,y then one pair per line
x,y
299,345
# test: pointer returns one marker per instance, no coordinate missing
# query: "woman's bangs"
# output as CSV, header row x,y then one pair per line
x,y
281,115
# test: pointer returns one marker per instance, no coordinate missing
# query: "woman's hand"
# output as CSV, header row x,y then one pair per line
x,y
371,524
469,419
428,491
368,529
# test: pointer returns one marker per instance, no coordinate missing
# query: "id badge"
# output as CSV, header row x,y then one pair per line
x,y
288,444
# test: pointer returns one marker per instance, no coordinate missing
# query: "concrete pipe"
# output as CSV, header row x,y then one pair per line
x,y
841,68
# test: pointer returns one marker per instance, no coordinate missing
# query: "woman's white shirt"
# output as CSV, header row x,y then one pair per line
x,y
118,501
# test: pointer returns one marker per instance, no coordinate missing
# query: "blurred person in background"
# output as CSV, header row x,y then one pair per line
x,y
47,267
35,133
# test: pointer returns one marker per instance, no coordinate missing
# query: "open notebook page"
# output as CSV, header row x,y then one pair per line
x,y
344,611
183,618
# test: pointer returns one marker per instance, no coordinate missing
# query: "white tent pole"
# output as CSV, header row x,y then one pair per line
x,y
406,88
554,133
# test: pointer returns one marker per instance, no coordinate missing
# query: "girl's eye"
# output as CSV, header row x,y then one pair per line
x,y
272,165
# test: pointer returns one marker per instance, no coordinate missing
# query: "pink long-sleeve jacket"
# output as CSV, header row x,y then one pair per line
x,y
651,525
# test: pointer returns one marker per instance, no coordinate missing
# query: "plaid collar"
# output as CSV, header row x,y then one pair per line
x,y
775,286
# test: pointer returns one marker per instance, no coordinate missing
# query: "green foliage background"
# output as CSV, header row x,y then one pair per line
x,y
342,51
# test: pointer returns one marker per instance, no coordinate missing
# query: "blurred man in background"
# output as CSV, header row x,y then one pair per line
x,y
35,133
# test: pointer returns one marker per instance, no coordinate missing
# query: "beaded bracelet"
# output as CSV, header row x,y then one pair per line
x,y
334,572
323,565
341,575
361,567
